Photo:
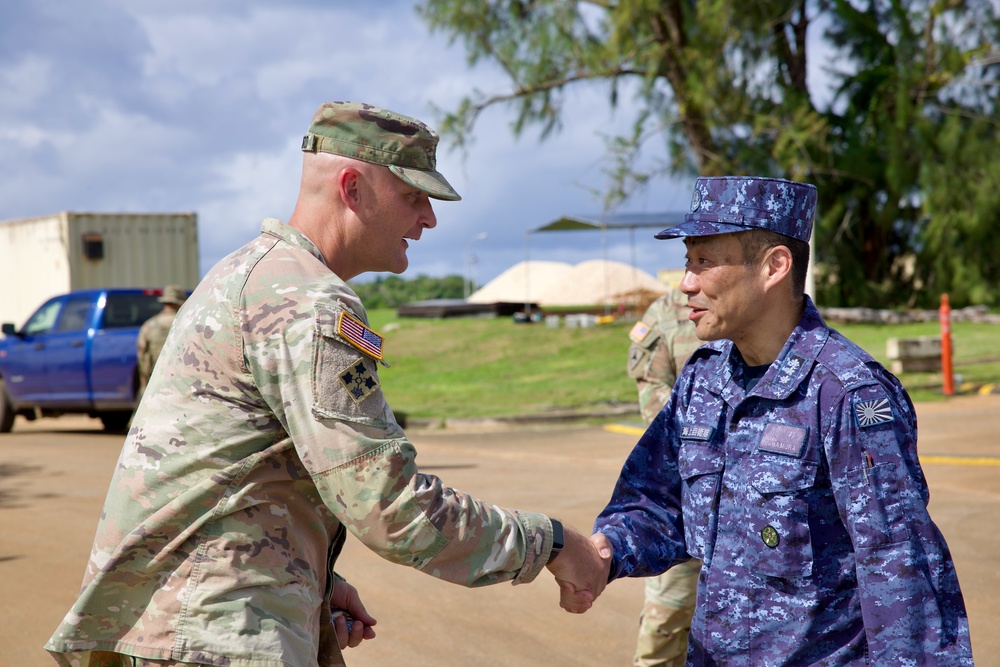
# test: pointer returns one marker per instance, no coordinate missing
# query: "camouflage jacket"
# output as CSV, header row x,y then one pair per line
x,y
662,341
262,436
149,344
805,501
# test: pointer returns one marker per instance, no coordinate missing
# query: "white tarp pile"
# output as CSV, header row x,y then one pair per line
x,y
593,282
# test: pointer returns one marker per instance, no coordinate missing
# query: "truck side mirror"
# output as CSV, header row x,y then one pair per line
x,y
9,329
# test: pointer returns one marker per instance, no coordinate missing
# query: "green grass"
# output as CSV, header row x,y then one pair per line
x,y
472,367
976,349
489,367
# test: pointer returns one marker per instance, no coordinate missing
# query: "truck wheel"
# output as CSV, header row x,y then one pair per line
x,y
6,410
115,422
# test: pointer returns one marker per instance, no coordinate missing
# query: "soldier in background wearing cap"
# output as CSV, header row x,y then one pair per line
x,y
661,342
264,438
153,333
786,461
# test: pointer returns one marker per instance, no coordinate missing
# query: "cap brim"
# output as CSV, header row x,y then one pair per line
x,y
699,228
431,182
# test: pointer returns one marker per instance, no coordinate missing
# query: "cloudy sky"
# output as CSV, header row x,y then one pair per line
x,y
152,106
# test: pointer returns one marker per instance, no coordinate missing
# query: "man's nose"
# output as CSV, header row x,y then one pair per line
x,y
688,284
427,217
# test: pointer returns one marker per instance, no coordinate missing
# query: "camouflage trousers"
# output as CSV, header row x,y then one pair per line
x,y
666,617
110,659
129,661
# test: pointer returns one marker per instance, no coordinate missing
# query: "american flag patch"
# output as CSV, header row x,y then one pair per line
x,y
360,336
639,331
870,413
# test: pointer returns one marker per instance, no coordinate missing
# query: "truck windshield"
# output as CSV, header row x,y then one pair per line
x,y
129,310
43,319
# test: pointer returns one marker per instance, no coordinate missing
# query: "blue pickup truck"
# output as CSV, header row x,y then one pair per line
x,y
75,354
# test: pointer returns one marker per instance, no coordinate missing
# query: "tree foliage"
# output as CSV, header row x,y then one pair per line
x,y
903,149
393,291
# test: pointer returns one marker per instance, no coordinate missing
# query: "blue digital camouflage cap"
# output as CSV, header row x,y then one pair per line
x,y
372,134
727,204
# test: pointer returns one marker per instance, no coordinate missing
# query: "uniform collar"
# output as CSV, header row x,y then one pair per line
x,y
289,234
786,373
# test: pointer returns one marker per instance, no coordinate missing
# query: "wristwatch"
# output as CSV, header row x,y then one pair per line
x,y
557,539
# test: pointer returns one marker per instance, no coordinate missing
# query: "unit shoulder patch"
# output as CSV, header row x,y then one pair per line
x,y
358,380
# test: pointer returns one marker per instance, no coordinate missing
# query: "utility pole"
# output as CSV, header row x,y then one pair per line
x,y
471,277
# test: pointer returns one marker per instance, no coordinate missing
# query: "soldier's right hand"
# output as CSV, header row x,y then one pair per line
x,y
581,571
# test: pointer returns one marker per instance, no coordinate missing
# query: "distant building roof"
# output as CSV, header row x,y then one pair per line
x,y
568,223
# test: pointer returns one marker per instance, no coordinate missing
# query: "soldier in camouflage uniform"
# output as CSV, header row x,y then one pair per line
x,y
661,343
786,461
264,438
153,333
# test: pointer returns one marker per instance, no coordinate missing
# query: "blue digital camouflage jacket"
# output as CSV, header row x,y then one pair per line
x,y
807,505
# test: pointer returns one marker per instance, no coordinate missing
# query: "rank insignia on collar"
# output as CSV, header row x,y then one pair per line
x,y
360,336
789,368
871,413
358,380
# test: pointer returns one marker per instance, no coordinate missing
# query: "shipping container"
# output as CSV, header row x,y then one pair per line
x,y
49,255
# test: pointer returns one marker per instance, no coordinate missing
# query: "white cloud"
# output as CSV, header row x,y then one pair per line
x,y
184,105
24,83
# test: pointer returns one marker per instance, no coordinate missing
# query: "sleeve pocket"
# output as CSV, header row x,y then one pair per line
x,y
345,383
876,511
640,354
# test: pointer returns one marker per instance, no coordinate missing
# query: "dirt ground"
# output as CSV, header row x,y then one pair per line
x,y
54,475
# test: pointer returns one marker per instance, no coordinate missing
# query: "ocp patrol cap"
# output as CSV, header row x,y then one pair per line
x,y
372,134
728,204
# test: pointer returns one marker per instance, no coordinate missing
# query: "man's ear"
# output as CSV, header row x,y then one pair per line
x,y
349,187
777,265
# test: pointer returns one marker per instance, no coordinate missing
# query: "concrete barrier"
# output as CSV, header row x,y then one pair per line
x,y
918,354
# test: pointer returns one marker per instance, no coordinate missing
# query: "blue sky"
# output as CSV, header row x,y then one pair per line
x,y
200,106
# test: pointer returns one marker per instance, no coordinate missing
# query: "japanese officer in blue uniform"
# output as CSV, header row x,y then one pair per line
x,y
786,461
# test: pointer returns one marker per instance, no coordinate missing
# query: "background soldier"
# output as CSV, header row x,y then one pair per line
x,y
661,343
153,333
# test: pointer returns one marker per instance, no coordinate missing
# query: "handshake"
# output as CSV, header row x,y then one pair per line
x,y
581,569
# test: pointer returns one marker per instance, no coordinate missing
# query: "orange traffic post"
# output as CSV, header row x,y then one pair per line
x,y
946,367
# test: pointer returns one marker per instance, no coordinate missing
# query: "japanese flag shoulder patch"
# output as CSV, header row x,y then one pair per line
x,y
873,411
357,334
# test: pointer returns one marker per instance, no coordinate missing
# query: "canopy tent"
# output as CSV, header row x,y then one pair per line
x,y
611,221
603,222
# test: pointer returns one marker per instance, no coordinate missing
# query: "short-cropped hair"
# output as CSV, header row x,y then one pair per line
x,y
756,241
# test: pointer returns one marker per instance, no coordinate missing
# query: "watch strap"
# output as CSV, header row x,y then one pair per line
x,y
557,539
